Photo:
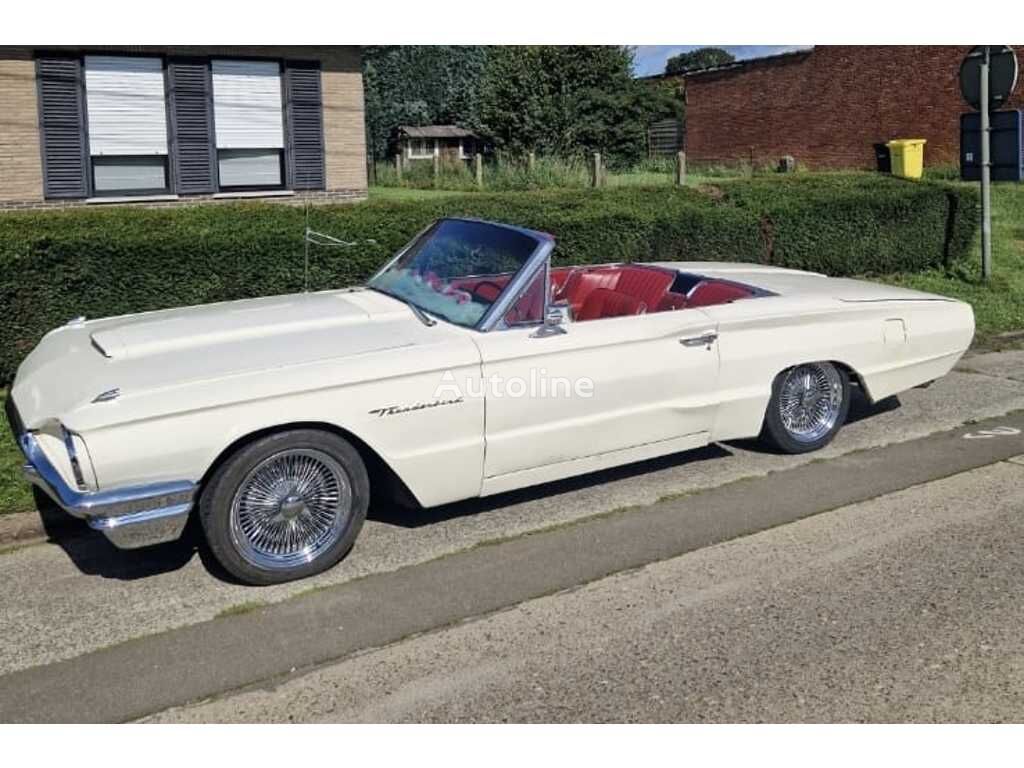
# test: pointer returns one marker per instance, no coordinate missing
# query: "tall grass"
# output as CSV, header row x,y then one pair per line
x,y
509,175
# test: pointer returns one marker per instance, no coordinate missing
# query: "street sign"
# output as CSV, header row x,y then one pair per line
x,y
988,76
1006,149
1002,77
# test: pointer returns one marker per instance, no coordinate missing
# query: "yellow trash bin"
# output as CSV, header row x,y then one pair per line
x,y
907,156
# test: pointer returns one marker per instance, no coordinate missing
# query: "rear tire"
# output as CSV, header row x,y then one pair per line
x,y
809,404
286,506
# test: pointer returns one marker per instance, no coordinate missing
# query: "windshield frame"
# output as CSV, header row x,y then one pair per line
x,y
544,244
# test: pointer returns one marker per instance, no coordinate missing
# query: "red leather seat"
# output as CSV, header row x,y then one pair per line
x,y
671,301
602,302
581,282
648,284
708,293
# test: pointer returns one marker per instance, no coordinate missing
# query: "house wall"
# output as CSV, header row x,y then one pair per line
x,y
829,106
21,182
21,169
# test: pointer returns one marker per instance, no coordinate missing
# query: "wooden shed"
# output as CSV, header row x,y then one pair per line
x,y
447,142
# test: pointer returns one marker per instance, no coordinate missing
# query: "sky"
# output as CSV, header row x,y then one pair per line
x,y
650,59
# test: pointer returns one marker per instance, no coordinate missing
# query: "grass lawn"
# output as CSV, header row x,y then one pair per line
x,y
404,193
998,304
15,493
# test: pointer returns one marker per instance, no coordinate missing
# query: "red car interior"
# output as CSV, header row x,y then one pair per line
x,y
610,291
710,292
602,302
636,289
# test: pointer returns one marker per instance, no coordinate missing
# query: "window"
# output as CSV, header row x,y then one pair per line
x,y
127,118
422,149
528,309
129,174
137,125
445,270
249,127
466,149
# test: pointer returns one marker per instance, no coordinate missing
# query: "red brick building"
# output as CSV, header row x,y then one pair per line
x,y
828,106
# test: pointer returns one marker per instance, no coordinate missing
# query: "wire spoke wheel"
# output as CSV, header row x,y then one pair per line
x,y
810,401
290,508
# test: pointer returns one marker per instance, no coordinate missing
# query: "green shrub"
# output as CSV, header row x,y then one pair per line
x,y
101,262
860,224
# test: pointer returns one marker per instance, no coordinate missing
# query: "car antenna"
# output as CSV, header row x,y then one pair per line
x,y
319,238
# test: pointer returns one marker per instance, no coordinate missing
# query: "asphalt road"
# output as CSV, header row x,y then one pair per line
x,y
79,595
903,608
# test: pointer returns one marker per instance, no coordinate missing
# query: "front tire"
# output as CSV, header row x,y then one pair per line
x,y
809,404
286,506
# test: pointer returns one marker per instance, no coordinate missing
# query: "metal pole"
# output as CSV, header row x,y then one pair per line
x,y
986,178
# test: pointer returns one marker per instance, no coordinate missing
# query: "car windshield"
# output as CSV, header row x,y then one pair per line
x,y
457,269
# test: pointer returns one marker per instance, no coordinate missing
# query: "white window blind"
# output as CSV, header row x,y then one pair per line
x,y
247,104
125,105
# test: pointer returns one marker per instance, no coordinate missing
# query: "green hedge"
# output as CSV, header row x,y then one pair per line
x,y
100,262
857,223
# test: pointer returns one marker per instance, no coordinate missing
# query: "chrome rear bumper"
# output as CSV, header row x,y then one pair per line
x,y
130,517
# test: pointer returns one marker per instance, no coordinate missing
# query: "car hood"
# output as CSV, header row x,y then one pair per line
x,y
76,364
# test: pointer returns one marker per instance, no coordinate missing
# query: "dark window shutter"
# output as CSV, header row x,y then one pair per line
x,y
192,150
305,125
62,127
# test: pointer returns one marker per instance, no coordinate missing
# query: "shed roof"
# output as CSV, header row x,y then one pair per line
x,y
435,132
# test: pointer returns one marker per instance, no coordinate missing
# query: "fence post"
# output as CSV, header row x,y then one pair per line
x,y
680,169
531,161
478,169
398,167
595,170
437,166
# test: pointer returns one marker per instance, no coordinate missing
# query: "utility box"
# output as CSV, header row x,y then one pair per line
x,y
1007,149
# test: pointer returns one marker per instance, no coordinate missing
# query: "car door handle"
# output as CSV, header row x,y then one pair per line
x,y
704,340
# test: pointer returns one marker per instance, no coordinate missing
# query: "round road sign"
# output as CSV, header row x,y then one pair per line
x,y
1002,75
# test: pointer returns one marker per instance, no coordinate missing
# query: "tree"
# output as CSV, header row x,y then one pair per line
x,y
565,100
702,58
420,85
568,100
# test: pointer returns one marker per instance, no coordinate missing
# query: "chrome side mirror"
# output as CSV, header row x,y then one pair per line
x,y
556,317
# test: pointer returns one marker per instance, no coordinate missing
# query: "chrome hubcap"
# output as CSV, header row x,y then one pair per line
x,y
290,508
810,400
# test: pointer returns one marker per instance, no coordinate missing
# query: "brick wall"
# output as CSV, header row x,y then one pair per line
x,y
21,169
21,180
829,106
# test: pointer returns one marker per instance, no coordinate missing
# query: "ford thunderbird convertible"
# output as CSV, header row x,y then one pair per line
x,y
468,366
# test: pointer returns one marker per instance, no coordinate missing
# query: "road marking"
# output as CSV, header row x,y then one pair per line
x,y
984,434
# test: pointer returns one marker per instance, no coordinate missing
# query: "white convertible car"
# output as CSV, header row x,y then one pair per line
x,y
466,367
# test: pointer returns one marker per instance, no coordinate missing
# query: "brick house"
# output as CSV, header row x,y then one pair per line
x,y
828,106
164,125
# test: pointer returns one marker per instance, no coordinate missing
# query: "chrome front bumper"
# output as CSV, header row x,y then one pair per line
x,y
130,517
